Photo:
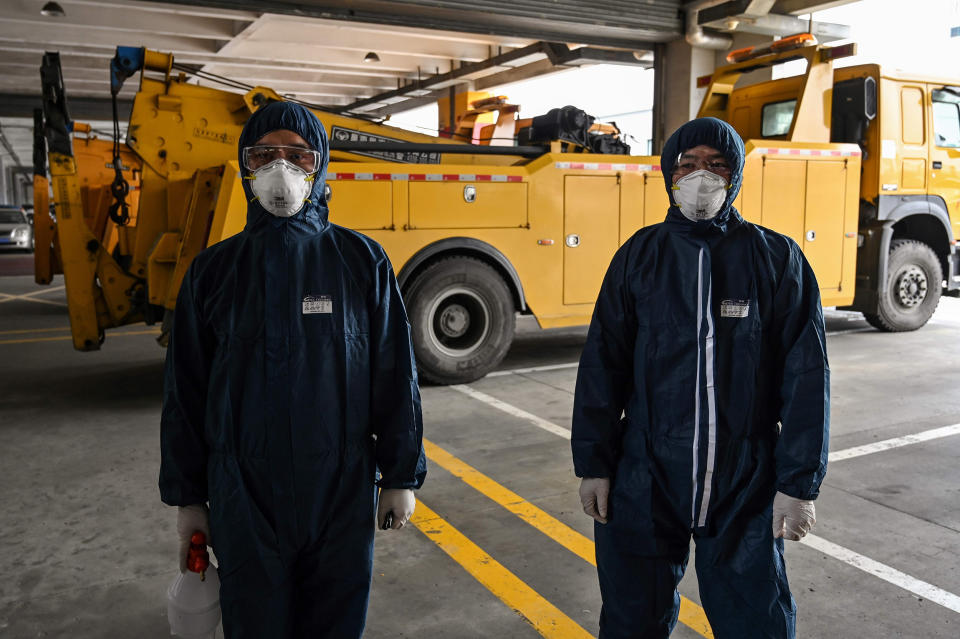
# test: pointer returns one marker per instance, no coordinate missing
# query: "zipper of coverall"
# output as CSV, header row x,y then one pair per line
x,y
705,351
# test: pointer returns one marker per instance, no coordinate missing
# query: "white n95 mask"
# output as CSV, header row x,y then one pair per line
x,y
281,187
700,195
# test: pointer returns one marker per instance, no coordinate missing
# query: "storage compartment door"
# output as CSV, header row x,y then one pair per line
x,y
591,224
823,228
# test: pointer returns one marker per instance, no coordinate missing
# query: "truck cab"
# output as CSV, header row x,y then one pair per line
x,y
858,165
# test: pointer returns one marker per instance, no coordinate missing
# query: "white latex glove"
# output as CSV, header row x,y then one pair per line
x,y
792,518
397,502
594,495
190,519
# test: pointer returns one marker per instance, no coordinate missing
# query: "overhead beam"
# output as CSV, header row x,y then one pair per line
x,y
121,19
577,57
337,36
63,34
557,54
81,56
570,21
433,81
776,25
409,104
525,72
800,7
170,8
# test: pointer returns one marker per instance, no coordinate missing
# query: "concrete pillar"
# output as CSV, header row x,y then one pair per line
x,y
677,98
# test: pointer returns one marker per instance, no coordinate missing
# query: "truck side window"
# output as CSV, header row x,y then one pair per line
x,y
911,108
777,117
946,118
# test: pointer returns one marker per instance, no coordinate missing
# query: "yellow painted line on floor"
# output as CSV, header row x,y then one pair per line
x,y
35,330
691,615
546,618
61,338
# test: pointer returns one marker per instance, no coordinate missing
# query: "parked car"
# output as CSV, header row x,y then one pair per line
x,y
16,232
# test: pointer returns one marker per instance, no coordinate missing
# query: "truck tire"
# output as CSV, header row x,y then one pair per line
x,y
462,320
912,290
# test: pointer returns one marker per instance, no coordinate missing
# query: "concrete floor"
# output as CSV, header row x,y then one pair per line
x,y
88,549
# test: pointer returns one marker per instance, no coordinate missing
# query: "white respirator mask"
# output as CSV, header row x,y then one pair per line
x,y
700,195
281,187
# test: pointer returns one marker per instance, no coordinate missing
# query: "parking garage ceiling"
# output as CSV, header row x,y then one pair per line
x,y
315,51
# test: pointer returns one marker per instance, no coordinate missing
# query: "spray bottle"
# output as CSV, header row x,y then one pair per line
x,y
193,598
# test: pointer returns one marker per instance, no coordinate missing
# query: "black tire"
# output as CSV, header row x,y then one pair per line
x,y
462,319
912,290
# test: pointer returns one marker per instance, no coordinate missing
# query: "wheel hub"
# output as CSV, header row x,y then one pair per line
x,y
454,320
460,321
911,286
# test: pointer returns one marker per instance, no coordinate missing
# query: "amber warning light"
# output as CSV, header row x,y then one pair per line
x,y
777,46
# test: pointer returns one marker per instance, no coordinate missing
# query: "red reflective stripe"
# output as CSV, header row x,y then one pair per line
x,y
448,177
514,178
484,178
346,176
381,176
417,177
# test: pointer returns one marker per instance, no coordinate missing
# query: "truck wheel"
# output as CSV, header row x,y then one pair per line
x,y
912,290
462,320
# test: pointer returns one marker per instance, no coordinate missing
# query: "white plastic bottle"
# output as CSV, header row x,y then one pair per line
x,y
193,598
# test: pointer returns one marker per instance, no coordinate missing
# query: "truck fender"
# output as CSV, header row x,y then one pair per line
x,y
896,208
465,246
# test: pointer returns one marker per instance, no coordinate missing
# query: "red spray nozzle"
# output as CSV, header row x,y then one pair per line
x,y
198,560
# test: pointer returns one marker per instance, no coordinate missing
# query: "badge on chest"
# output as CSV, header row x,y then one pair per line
x,y
317,304
734,308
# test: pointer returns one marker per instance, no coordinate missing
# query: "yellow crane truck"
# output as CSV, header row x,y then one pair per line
x,y
847,162
476,232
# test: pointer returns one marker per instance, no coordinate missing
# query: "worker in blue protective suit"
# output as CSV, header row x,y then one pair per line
x,y
702,406
290,396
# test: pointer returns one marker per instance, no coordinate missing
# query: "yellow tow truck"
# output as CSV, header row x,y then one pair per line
x,y
858,166
476,232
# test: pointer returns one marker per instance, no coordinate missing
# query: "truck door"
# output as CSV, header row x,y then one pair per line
x,y
914,166
591,224
945,151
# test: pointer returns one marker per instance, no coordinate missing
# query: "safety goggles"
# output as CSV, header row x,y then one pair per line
x,y
687,164
255,157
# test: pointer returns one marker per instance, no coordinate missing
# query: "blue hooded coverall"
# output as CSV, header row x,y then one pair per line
x,y
705,336
283,418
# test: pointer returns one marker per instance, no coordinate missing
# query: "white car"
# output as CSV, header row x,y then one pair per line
x,y
16,233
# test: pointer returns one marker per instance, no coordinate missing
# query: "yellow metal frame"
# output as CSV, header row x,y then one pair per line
x,y
98,290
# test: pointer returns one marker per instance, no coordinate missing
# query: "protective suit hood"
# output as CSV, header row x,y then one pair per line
x,y
297,118
721,136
